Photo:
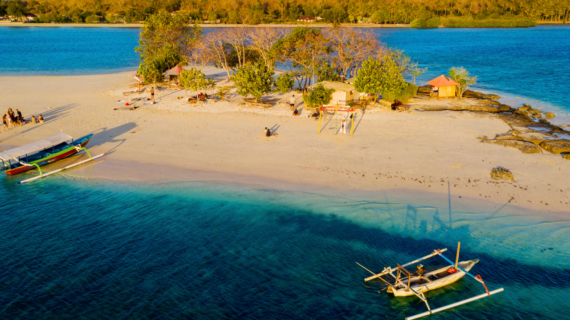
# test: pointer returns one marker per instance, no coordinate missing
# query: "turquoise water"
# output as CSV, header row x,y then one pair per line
x,y
74,249
531,63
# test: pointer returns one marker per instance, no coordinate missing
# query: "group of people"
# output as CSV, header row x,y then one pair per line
x,y
15,118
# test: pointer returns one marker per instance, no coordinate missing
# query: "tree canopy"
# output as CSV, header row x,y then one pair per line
x,y
279,11
379,76
254,79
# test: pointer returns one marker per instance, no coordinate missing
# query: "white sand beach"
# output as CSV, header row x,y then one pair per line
x,y
436,154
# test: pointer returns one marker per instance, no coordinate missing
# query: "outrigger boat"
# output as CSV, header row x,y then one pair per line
x,y
43,152
406,283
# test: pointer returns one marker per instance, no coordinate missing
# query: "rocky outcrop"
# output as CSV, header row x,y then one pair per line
x,y
474,94
549,115
556,146
500,173
487,106
523,146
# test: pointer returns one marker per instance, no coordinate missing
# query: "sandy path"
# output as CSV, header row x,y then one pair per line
x,y
419,151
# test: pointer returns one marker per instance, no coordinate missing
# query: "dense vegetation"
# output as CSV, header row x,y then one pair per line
x,y
249,56
465,13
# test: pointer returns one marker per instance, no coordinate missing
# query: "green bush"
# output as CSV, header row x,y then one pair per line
x,y
422,23
419,23
410,91
433,22
93,19
318,96
285,82
515,22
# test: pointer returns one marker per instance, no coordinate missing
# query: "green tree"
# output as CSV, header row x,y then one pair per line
x,y
416,71
318,96
461,76
285,82
111,17
335,15
253,79
153,67
194,79
378,76
165,41
16,9
326,72
303,48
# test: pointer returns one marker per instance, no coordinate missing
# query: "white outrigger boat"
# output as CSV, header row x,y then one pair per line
x,y
406,283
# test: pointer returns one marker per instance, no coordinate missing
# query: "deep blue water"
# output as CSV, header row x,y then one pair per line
x,y
73,249
67,50
531,63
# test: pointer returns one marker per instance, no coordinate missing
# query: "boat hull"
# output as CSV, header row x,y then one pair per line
x,y
56,157
435,284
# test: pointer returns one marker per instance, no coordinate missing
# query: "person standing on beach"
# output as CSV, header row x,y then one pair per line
x,y
292,102
152,94
5,124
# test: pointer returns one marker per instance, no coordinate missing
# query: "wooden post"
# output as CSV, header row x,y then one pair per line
x,y
457,257
352,122
320,114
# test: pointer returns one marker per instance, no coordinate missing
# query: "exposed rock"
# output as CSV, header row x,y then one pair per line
x,y
491,108
525,107
533,111
556,146
474,94
536,137
500,173
536,115
567,156
523,146
544,121
521,112
549,115
482,137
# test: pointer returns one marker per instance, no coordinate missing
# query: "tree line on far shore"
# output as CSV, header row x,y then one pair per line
x,y
469,13
249,57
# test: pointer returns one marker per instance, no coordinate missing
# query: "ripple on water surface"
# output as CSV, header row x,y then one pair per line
x,y
93,250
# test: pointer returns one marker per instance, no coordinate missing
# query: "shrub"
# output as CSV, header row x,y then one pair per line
x,y
410,91
422,23
318,96
93,19
433,22
194,80
419,23
515,22
285,82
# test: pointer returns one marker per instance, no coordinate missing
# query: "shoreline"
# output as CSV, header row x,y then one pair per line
x,y
275,25
389,150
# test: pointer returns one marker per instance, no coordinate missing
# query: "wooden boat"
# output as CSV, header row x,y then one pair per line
x,y
417,283
43,152
432,280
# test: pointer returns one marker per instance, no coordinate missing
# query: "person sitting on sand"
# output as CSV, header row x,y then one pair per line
x,y
19,119
296,113
267,132
5,123
41,119
33,120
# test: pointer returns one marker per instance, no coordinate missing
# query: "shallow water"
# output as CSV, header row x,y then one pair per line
x,y
75,249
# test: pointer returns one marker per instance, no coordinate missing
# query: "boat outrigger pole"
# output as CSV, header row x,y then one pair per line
x,y
78,148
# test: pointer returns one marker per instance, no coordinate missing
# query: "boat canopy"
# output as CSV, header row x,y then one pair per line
x,y
35,146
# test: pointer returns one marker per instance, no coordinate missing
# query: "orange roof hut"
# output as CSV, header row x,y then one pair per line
x,y
442,87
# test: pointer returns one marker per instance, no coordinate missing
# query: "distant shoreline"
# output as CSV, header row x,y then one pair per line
x,y
277,25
